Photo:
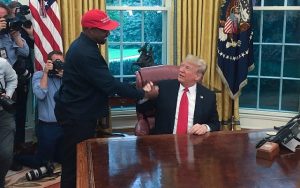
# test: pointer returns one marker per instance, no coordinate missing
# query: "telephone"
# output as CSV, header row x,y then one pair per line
x,y
288,135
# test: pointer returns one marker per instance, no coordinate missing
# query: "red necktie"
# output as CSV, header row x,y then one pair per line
x,y
183,113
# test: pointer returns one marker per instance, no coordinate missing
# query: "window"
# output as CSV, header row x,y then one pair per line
x,y
141,21
275,82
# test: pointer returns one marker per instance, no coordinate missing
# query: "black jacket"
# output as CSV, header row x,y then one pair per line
x,y
165,105
87,83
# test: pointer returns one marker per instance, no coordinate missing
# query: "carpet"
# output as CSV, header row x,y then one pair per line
x,y
17,179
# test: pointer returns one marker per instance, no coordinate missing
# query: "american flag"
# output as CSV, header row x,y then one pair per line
x,y
46,29
228,27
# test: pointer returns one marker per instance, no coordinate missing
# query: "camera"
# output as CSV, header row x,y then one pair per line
x,y
39,173
21,68
7,104
16,23
57,66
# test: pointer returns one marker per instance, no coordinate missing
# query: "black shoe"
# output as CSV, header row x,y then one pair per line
x,y
15,166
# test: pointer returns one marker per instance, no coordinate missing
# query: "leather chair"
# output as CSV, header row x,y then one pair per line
x,y
146,120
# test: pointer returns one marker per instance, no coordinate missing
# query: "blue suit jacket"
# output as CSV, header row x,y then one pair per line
x,y
165,107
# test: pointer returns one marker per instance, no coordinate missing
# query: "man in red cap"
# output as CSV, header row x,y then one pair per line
x,y
86,86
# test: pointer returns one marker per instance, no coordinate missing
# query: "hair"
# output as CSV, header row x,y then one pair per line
x,y
3,5
54,52
200,63
14,4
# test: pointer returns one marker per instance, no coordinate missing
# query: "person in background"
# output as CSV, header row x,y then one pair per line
x,y
8,84
49,133
86,87
12,44
24,69
201,113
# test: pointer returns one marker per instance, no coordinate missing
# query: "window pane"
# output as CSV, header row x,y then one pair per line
x,y
293,27
130,55
291,95
114,55
292,62
272,27
271,60
257,3
274,2
248,97
256,57
256,25
132,28
131,2
293,2
157,53
112,2
115,34
152,2
153,26
269,94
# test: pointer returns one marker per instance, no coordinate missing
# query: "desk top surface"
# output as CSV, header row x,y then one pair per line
x,y
220,159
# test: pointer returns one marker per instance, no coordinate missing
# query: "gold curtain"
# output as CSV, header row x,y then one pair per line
x,y
197,34
71,12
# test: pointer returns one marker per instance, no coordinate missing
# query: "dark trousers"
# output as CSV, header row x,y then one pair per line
x,y
7,132
20,116
74,132
49,148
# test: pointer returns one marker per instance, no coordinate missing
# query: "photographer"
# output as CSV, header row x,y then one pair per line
x,y
12,44
49,133
24,69
8,83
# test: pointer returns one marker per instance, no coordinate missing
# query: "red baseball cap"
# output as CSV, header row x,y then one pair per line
x,y
98,19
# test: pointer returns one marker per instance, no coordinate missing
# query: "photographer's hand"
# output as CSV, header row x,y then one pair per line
x,y
16,35
44,80
2,23
48,66
60,73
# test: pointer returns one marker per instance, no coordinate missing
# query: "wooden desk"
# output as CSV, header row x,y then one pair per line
x,y
220,159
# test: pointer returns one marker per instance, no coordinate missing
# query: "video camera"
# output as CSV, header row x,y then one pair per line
x,y
57,66
16,23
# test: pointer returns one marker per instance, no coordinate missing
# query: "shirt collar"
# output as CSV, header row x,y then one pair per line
x,y
192,89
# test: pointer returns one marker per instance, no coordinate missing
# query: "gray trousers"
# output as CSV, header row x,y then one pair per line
x,y
7,132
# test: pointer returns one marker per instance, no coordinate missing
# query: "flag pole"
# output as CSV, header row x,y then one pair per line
x,y
232,115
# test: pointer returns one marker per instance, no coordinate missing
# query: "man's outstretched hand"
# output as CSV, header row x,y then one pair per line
x,y
151,91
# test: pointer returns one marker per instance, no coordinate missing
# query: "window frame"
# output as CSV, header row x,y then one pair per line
x,y
281,77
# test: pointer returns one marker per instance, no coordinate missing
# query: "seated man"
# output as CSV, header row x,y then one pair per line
x,y
49,133
184,105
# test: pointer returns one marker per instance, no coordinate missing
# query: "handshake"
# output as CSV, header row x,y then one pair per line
x,y
151,91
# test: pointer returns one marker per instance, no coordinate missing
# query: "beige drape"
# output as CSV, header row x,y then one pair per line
x,y
197,34
71,12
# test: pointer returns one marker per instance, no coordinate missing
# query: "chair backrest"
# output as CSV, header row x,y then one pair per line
x,y
146,120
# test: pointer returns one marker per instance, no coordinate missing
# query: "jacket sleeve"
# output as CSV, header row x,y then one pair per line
x,y
10,78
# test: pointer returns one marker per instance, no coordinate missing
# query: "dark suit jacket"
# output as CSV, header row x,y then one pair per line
x,y
165,105
87,83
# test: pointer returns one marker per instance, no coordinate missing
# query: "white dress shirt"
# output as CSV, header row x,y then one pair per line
x,y
191,94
